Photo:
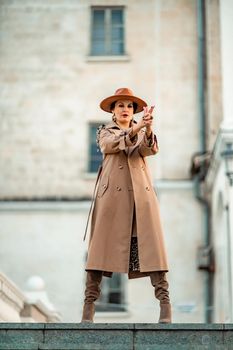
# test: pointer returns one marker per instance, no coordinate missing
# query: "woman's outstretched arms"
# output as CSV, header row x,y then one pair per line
x,y
111,143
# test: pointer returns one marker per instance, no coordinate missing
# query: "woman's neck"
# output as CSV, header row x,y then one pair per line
x,y
123,125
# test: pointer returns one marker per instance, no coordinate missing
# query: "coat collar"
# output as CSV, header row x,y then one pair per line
x,y
113,125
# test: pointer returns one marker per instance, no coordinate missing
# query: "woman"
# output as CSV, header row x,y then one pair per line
x,y
126,234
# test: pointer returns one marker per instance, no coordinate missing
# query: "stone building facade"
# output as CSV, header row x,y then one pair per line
x,y
219,179
52,78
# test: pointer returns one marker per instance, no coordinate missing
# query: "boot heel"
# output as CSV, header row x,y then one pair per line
x,y
165,313
88,313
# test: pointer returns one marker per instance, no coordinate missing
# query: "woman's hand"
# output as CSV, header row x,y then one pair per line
x,y
145,121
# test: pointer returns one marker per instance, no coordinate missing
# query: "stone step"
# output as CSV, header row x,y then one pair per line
x,y
115,336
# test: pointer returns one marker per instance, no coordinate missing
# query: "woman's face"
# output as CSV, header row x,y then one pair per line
x,y
123,111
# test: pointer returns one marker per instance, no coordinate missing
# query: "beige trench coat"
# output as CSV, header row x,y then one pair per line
x,y
125,181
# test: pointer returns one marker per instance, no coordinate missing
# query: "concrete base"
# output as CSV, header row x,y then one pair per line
x,y
115,336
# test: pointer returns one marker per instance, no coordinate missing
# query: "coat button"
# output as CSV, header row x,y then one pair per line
x,y
147,188
120,166
118,188
104,186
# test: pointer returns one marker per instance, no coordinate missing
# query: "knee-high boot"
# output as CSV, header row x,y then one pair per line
x,y
160,284
92,293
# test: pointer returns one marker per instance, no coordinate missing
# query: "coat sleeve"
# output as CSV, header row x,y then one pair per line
x,y
111,143
149,145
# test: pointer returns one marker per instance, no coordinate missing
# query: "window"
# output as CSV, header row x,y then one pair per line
x,y
107,31
95,156
112,297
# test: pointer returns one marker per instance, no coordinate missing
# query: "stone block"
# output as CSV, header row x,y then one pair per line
x,y
228,336
24,339
81,326
180,326
21,325
179,337
88,339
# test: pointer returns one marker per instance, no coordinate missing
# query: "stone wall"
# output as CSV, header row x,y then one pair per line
x,y
51,89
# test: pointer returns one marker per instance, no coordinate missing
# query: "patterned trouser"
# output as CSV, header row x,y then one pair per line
x,y
134,259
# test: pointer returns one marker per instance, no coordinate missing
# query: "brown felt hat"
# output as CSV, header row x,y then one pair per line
x,y
122,94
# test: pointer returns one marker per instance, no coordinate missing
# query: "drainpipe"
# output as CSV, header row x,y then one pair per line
x,y
202,90
206,250
201,61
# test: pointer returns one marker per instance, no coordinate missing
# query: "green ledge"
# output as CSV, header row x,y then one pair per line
x,y
115,336
131,326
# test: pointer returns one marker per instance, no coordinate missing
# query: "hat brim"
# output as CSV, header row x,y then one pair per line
x,y
106,103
